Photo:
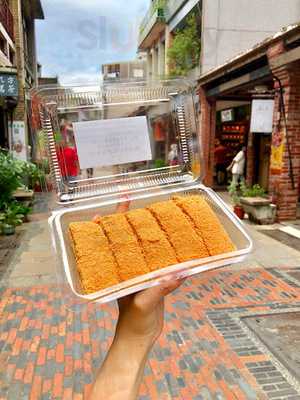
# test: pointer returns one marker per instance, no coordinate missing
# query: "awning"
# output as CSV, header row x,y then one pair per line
x,y
249,55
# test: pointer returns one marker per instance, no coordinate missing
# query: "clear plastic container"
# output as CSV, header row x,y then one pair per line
x,y
156,123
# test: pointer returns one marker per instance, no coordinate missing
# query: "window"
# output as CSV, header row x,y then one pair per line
x,y
11,56
114,68
3,44
138,73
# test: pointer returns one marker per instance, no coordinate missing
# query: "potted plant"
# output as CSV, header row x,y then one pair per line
x,y
33,175
235,197
10,218
10,177
25,211
257,204
252,191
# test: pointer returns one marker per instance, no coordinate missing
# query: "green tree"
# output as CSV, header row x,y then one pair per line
x,y
184,54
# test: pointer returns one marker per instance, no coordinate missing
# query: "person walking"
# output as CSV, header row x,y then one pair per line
x,y
68,157
220,161
237,166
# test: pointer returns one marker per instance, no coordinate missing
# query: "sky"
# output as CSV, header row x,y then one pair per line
x,y
78,36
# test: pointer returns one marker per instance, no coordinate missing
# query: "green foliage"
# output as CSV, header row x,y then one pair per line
x,y
11,175
15,174
184,54
24,210
11,215
159,163
31,174
234,194
159,6
254,191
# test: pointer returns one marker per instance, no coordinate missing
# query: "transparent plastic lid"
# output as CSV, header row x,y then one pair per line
x,y
117,138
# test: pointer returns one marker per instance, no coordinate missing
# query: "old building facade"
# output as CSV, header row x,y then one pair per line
x,y
18,71
125,70
270,74
226,27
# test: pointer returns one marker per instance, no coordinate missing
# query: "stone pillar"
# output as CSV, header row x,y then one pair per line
x,y
250,160
280,186
207,133
161,58
168,44
154,63
149,65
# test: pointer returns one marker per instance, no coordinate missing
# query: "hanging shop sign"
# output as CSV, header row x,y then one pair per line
x,y
227,115
262,116
9,86
277,153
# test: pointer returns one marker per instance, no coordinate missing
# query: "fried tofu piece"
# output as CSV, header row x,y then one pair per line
x,y
206,224
95,262
157,250
180,233
125,246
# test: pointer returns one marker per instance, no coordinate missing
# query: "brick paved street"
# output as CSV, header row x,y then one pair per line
x,y
207,350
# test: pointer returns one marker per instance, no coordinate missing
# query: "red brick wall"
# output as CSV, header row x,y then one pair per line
x,y
280,185
250,160
207,134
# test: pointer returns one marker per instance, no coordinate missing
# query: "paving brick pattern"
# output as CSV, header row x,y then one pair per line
x,y
206,351
8,244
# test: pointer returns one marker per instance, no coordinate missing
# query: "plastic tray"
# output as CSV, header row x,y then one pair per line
x,y
71,282
170,109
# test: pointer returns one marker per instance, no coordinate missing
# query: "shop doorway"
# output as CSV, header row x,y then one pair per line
x,y
3,129
262,156
232,129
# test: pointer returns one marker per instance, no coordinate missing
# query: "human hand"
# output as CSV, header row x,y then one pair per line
x,y
141,315
140,324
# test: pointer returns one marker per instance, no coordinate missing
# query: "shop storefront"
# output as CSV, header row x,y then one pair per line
x,y
234,131
266,81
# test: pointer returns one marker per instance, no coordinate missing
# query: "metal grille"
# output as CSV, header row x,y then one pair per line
x,y
135,94
129,184
184,133
70,99
51,149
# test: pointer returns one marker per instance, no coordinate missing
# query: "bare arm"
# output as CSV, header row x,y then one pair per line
x,y
140,324
229,168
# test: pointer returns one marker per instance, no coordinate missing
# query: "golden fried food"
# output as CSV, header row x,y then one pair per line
x,y
95,262
179,231
157,250
206,224
119,247
125,246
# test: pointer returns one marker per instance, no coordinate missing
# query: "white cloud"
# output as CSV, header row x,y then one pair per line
x,y
78,36
80,78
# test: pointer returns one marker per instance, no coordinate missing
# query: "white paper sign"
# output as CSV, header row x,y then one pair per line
x,y
227,115
108,142
19,140
262,116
